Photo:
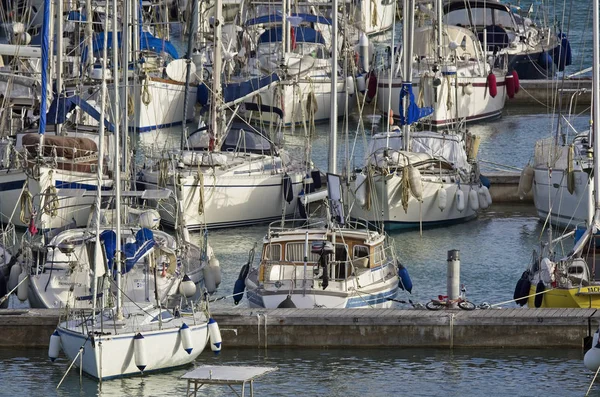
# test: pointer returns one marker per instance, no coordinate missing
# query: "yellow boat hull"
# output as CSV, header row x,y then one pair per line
x,y
584,297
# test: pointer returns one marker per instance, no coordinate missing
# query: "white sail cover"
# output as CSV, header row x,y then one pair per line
x,y
424,144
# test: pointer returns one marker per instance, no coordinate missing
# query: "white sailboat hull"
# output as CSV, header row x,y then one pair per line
x,y
230,199
296,99
473,107
388,191
62,210
110,356
551,196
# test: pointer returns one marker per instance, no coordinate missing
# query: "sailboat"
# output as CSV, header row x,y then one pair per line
x,y
572,280
346,266
451,73
294,46
417,178
226,175
133,338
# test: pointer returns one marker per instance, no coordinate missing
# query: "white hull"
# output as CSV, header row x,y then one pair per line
x,y
551,196
294,99
67,211
477,106
230,199
374,292
112,356
157,103
427,213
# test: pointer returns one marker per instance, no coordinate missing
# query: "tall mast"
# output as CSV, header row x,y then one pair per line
x,y
596,108
334,80
59,55
216,88
188,60
117,162
125,54
99,173
45,57
407,31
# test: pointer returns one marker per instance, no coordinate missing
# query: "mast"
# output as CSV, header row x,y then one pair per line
x,y
334,80
596,110
125,35
98,248
45,57
117,162
59,55
407,31
391,78
188,70
216,88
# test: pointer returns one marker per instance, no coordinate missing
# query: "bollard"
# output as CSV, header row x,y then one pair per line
x,y
453,281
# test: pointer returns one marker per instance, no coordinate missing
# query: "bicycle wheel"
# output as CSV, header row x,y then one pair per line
x,y
466,305
434,305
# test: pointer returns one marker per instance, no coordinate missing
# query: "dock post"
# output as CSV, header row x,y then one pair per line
x,y
453,281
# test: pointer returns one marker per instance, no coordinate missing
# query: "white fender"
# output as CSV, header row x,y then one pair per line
x,y
54,346
460,200
187,287
361,83
215,336
361,189
209,279
473,200
13,278
442,198
488,196
139,351
483,203
416,186
525,181
215,268
592,357
350,85
186,338
23,287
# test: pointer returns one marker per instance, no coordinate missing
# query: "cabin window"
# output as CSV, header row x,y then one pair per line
x,y
360,251
273,252
457,18
503,19
482,16
379,255
341,253
386,2
294,252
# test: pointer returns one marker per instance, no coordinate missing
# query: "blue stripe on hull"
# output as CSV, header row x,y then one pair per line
x,y
157,127
365,301
13,185
220,225
392,225
77,185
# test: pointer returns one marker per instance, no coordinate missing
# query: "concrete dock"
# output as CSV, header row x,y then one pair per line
x,y
340,328
552,93
504,187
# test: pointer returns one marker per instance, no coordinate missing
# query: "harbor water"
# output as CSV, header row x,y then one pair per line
x,y
495,249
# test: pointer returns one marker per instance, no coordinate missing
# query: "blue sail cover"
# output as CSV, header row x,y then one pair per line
x,y
303,34
57,114
45,56
233,91
414,113
144,242
147,42
276,18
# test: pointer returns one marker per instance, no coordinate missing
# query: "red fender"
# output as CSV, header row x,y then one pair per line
x,y
516,80
492,86
510,85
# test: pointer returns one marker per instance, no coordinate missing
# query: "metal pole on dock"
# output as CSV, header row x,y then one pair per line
x,y
453,281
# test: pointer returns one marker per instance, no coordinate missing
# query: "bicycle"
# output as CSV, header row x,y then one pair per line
x,y
443,302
